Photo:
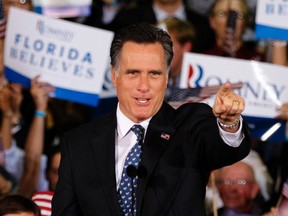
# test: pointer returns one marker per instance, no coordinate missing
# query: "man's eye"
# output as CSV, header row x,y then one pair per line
x,y
155,73
132,73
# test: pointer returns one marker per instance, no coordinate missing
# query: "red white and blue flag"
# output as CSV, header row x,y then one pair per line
x,y
178,96
285,189
283,201
43,199
165,136
2,19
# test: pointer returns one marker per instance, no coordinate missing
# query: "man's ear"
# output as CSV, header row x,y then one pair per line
x,y
113,76
254,190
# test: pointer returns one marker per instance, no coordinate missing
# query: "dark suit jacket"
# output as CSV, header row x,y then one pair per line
x,y
177,168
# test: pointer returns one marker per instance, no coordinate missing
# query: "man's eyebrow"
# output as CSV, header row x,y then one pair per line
x,y
132,70
156,71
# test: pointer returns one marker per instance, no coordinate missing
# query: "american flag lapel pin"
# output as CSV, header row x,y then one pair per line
x,y
165,136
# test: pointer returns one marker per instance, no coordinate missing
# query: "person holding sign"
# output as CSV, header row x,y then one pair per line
x,y
173,151
26,165
229,20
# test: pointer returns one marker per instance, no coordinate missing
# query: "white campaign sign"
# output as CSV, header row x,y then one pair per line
x,y
70,56
265,86
272,19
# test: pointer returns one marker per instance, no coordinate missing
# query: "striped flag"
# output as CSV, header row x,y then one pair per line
x,y
2,20
283,201
43,199
285,189
165,136
178,96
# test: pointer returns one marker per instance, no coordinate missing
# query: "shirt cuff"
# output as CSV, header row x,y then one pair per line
x,y
232,139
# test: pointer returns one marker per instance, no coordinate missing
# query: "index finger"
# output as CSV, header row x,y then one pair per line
x,y
225,88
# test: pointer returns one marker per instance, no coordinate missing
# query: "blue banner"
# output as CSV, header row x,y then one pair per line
x,y
268,32
271,19
266,129
61,93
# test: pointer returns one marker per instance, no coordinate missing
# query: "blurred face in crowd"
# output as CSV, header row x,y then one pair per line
x,y
219,17
179,50
140,80
53,171
182,35
237,186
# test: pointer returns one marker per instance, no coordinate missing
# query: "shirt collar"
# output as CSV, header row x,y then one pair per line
x,y
161,15
124,124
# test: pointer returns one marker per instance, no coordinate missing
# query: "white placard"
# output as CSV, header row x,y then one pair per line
x,y
265,86
272,19
70,56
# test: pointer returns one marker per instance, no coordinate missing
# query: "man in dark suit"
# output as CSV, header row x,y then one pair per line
x,y
179,150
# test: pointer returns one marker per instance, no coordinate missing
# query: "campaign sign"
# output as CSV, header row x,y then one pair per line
x,y
71,57
265,86
271,19
63,8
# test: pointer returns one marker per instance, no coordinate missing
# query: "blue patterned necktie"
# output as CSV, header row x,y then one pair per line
x,y
125,192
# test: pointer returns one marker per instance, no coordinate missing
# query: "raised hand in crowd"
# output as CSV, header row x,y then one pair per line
x,y
35,140
25,166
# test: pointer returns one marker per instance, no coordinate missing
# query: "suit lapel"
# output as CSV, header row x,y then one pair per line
x,y
158,137
103,146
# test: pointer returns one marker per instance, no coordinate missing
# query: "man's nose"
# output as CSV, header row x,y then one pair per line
x,y
143,82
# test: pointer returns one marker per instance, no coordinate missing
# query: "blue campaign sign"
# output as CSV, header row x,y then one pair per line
x,y
271,19
266,129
